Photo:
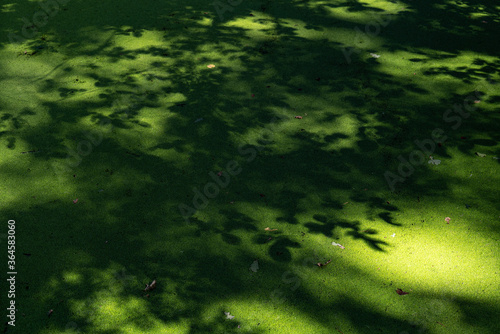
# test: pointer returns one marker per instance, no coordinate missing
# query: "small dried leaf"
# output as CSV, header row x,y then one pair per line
x,y
255,266
480,154
151,286
401,292
321,265
336,244
228,315
434,161
270,230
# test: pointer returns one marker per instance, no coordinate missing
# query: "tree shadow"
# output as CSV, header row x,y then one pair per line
x,y
154,150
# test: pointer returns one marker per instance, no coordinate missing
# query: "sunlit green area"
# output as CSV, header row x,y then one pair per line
x,y
274,166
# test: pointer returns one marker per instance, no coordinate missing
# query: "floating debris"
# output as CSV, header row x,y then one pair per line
x,y
339,245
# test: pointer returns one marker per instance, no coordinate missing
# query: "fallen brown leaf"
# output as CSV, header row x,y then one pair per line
x,y
321,265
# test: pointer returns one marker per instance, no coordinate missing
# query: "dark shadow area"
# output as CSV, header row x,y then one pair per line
x,y
140,129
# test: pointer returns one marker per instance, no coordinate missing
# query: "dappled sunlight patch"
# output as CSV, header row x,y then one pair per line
x,y
132,43
205,21
72,278
109,305
460,264
50,286
40,190
264,215
258,26
77,256
129,315
15,90
252,314
344,130
175,98
8,8
360,12
306,236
